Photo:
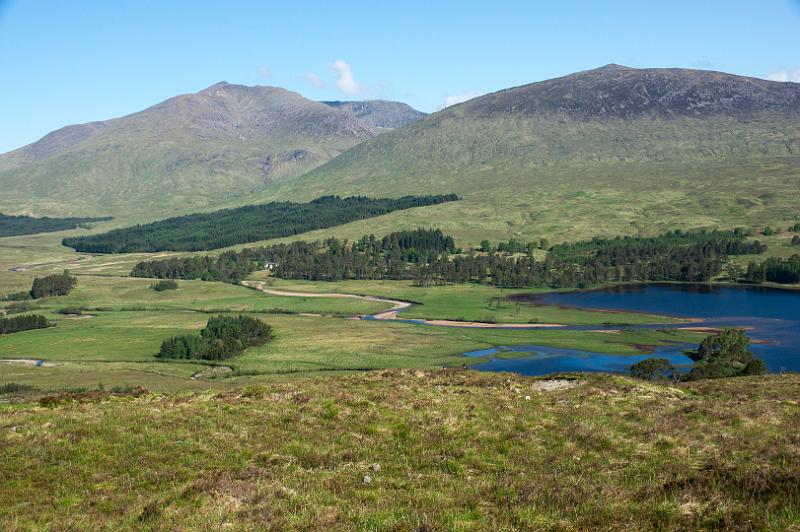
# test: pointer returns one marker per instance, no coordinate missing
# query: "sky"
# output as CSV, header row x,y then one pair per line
x,y
67,62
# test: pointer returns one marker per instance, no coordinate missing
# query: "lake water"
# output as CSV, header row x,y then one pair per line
x,y
771,315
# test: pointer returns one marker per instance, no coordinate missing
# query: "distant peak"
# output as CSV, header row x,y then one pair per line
x,y
215,86
614,66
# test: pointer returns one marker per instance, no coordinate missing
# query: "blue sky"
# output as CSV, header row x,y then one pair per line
x,y
65,62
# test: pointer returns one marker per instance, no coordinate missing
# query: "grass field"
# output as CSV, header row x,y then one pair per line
x,y
124,341
402,450
467,302
125,322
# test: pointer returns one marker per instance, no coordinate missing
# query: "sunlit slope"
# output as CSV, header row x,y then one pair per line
x,y
187,153
608,151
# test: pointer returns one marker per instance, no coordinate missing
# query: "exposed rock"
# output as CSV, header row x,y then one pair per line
x,y
380,113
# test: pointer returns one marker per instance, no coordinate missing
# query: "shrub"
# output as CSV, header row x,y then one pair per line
x,y
725,355
22,323
17,296
69,311
653,369
166,284
18,307
15,387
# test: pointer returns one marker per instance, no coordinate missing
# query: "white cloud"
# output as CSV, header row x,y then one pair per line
x,y
313,79
264,72
785,75
345,80
452,99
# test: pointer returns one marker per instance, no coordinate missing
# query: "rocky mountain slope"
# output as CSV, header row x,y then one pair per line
x,y
381,113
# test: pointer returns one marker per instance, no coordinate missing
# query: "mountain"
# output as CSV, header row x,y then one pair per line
x,y
187,152
381,113
615,150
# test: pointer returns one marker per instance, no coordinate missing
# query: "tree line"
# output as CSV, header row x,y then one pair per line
x,y
222,337
205,231
26,322
774,270
27,225
427,257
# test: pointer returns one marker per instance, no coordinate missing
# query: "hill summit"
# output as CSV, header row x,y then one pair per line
x,y
189,151
616,91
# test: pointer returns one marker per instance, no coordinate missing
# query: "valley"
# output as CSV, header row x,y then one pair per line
x,y
570,304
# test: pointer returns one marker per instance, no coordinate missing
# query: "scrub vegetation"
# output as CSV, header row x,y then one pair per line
x,y
405,449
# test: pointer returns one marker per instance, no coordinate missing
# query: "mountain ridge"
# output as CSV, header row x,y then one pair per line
x,y
608,151
224,140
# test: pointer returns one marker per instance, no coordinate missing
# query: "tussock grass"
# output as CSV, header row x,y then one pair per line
x,y
406,449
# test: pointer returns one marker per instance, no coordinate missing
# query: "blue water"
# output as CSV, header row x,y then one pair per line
x,y
545,360
772,317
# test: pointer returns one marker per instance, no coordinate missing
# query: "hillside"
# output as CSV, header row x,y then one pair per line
x,y
187,152
381,113
442,450
607,151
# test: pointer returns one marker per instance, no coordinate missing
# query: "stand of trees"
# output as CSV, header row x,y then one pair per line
x,y
205,231
774,270
223,337
23,323
427,258
725,354
26,225
411,246
53,285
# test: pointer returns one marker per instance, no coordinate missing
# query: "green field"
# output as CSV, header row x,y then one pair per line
x,y
124,322
468,302
401,450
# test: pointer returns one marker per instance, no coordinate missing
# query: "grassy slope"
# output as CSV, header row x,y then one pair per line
x,y
189,153
447,450
569,200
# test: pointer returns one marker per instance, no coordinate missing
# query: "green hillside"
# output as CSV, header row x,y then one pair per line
x,y
409,450
609,151
188,153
